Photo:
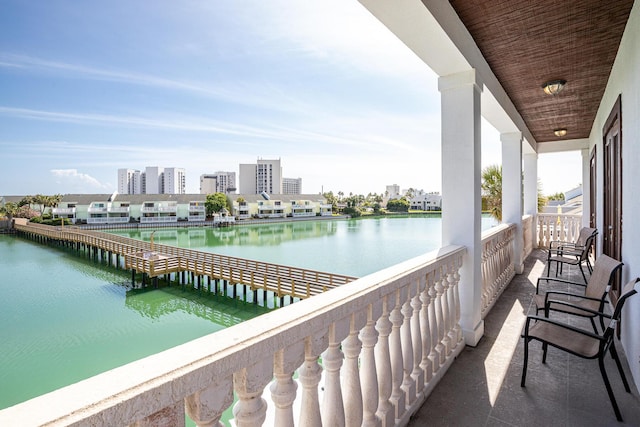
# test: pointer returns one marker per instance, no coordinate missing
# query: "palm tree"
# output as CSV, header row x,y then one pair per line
x,y
492,190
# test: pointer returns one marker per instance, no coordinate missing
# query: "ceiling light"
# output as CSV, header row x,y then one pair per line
x,y
553,87
560,132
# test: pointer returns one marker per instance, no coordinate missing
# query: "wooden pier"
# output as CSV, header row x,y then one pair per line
x,y
163,260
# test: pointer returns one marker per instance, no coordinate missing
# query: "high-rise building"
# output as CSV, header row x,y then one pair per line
x,y
174,181
129,181
219,182
154,176
264,176
291,185
154,180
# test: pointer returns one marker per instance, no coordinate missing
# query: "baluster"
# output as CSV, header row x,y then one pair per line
x,y
433,324
383,365
283,388
351,347
440,349
310,374
332,407
249,383
408,385
456,299
368,380
425,326
451,309
397,395
416,336
446,318
205,407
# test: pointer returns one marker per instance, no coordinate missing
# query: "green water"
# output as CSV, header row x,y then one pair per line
x,y
65,317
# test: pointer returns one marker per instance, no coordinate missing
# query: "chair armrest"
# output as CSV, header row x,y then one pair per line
x,y
547,308
546,297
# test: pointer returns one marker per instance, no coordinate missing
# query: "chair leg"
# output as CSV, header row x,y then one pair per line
x,y
525,362
544,352
614,353
593,323
582,271
612,398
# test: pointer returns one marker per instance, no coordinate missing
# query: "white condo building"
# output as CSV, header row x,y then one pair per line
x,y
264,176
291,185
129,181
174,181
154,180
219,182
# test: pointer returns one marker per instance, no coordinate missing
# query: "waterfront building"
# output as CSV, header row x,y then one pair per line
x,y
172,208
219,182
422,201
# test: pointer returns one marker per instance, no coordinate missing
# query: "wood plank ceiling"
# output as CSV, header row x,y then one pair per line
x,y
528,43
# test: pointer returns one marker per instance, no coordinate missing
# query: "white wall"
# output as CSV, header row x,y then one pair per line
x,y
625,80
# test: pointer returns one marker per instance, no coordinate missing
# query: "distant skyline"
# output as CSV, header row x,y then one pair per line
x,y
91,87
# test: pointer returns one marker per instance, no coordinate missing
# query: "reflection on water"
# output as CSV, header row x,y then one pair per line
x,y
246,235
218,309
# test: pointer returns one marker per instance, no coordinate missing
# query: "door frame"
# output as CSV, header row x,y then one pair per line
x,y
612,187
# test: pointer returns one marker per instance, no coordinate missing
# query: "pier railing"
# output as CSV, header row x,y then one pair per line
x,y
280,279
364,354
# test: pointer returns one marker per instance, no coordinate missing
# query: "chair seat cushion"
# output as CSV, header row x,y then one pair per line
x,y
574,342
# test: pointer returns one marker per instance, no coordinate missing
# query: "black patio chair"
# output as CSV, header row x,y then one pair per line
x,y
592,298
579,342
576,253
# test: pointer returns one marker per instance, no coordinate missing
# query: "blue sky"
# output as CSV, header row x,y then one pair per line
x,y
87,87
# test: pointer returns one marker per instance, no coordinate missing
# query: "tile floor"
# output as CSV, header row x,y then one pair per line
x,y
482,388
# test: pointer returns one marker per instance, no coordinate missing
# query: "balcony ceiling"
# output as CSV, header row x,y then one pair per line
x,y
528,42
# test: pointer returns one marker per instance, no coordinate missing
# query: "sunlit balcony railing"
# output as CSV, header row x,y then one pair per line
x,y
497,263
565,227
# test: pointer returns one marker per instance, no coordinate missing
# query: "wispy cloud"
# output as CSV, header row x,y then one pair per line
x,y
81,182
334,131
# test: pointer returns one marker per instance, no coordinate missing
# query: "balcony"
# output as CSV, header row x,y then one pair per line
x,y
391,353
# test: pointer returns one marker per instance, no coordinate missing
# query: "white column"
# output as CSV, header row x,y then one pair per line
x,y
461,205
512,191
586,187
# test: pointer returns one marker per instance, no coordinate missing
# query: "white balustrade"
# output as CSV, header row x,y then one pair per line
x,y
385,340
564,227
497,263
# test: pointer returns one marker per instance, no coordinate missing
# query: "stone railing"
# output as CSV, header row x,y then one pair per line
x,y
562,227
366,353
497,263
